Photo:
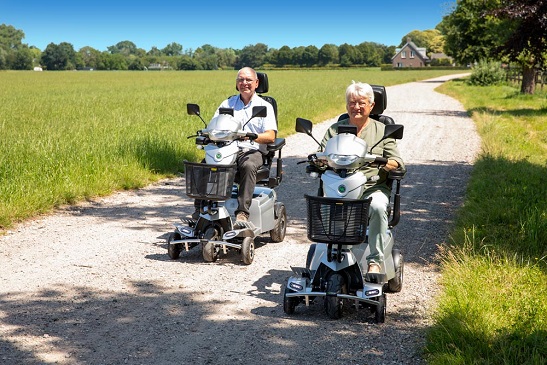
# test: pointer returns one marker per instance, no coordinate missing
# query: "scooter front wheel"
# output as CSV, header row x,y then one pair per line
x,y
247,250
380,309
174,249
209,250
333,304
289,303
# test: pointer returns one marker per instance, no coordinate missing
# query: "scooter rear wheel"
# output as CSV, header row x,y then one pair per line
x,y
333,304
277,234
395,285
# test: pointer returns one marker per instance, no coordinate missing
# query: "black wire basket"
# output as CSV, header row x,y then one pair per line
x,y
209,182
335,220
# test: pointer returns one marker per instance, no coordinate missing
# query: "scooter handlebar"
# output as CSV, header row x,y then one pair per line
x,y
252,136
380,161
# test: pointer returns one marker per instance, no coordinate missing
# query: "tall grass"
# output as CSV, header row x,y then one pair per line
x,y
68,136
493,308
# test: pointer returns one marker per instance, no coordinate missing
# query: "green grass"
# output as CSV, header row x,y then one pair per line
x,y
69,136
493,307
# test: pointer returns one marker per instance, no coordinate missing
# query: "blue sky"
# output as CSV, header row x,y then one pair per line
x,y
278,23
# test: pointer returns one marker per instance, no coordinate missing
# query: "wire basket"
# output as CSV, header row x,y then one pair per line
x,y
209,182
335,220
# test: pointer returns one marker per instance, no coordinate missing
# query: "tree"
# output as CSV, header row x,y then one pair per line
x,y
527,44
327,54
349,55
252,56
372,54
173,49
125,48
431,39
309,56
59,57
90,57
283,57
10,38
22,59
470,35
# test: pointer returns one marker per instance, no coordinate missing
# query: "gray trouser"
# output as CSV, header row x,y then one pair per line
x,y
377,226
248,162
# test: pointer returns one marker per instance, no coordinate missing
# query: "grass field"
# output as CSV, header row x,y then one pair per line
x,y
68,136
493,308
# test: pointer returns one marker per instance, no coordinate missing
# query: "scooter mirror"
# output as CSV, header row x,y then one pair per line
x,y
394,131
192,109
259,111
303,126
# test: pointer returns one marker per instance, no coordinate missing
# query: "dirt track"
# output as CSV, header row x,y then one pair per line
x,y
93,284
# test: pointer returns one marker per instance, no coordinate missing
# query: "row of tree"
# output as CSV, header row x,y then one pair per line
x,y
510,31
125,55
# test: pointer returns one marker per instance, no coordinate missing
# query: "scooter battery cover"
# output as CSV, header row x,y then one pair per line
x,y
208,181
335,220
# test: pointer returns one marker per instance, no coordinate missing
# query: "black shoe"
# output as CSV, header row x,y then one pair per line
x,y
195,215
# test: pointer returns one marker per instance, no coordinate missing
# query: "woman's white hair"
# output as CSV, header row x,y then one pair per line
x,y
360,89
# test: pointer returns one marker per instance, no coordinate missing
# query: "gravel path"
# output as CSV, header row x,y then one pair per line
x,y
92,284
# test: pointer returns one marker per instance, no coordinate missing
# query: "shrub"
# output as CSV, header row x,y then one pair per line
x,y
487,73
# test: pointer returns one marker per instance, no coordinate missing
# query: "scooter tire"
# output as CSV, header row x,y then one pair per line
x,y
289,303
209,252
380,309
174,249
395,285
277,234
333,304
309,257
247,250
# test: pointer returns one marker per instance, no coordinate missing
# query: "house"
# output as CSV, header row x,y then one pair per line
x,y
409,55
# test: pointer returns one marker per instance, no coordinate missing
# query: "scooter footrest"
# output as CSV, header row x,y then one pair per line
x,y
301,271
376,278
243,225
188,221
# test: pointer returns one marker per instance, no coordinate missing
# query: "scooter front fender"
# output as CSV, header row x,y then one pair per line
x,y
321,257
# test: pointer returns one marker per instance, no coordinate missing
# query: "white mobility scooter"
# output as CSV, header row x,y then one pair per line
x,y
214,183
337,220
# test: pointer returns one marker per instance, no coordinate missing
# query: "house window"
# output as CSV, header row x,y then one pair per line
x,y
412,54
403,54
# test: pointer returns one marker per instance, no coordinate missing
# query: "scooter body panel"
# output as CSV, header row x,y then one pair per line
x,y
350,187
221,155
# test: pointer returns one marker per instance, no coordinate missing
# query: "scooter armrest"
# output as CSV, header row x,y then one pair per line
x,y
276,145
396,174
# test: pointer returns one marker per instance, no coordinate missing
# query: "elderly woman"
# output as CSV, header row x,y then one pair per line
x,y
359,103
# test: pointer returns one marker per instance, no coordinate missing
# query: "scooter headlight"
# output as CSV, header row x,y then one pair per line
x,y
343,160
217,134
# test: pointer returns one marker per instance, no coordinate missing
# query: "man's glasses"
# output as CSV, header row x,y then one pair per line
x,y
247,81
